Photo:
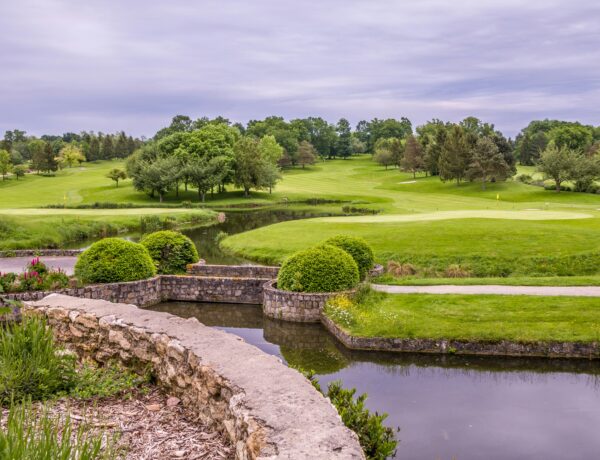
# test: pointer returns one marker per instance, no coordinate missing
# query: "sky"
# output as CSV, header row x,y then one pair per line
x,y
108,65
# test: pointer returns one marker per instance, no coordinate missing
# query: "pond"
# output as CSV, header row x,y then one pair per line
x,y
447,407
206,239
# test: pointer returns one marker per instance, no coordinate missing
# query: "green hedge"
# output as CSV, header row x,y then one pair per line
x,y
358,249
113,260
320,269
171,251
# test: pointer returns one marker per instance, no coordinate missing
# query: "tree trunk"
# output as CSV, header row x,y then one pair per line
x,y
483,183
558,182
177,189
160,197
414,174
246,192
203,197
117,184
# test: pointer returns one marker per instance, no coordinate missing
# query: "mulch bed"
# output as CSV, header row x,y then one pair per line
x,y
150,425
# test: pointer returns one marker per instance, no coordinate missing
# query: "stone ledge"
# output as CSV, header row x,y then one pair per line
x,y
463,347
268,410
233,271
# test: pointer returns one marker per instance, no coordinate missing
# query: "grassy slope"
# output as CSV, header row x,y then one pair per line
x,y
23,226
457,239
517,318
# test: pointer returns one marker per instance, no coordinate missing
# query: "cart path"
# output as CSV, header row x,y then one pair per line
x,y
572,291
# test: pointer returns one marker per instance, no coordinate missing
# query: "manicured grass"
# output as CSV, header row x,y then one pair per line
x,y
508,281
473,317
485,247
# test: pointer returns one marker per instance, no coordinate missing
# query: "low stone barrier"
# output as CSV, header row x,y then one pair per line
x,y
41,252
301,307
463,347
142,293
267,410
164,287
212,289
233,271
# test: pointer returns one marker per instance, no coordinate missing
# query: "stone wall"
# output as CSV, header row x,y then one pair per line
x,y
294,306
164,287
267,410
41,252
212,289
233,271
464,347
142,293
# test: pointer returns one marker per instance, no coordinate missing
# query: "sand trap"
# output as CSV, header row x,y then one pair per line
x,y
444,215
408,182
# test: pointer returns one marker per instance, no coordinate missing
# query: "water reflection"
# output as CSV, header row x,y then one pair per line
x,y
447,406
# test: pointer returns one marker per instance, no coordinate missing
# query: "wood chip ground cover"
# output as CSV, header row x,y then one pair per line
x,y
149,424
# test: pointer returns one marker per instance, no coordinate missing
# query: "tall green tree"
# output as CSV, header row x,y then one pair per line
x,y
70,155
107,147
413,159
306,154
116,175
558,164
344,141
248,165
6,165
455,155
487,162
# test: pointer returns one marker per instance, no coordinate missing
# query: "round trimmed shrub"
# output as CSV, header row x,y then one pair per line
x,y
320,269
171,251
112,260
358,249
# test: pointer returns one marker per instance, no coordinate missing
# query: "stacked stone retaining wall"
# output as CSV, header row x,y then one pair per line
x,y
233,271
267,410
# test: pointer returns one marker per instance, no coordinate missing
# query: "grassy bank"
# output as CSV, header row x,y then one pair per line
x,y
471,317
508,281
53,228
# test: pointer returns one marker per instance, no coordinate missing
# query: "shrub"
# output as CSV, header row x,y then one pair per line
x,y
320,269
400,269
30,365
171,251
56,279
456,271
378,441
358,249
525,178
112,260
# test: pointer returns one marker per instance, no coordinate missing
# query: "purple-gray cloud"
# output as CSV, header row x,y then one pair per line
x,y
110,65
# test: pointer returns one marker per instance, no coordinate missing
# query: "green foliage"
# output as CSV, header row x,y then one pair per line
x,y
377,440
171,251
30,366
109,380
31,433
320,269
358,249
113,260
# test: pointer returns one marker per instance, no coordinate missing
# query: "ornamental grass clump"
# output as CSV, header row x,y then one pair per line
x,y
323,268
31,366
171,251
113,260
358,249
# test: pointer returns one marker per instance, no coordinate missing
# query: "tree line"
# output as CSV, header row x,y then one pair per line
x,y
20,152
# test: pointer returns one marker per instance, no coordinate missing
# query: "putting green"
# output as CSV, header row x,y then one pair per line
x,y
465,214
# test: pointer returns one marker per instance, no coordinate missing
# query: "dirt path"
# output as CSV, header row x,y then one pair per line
x,y
571,291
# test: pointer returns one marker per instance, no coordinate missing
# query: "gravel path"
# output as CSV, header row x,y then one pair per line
x,y
572,291
18,264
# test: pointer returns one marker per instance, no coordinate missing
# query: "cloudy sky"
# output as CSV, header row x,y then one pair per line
x,y
132,64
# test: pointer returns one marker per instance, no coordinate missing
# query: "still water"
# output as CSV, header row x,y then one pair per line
x,y
447,407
